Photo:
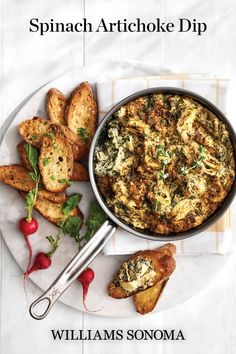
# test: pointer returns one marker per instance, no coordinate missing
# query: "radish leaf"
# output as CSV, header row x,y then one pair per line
x,y
95,220
72,227
71,203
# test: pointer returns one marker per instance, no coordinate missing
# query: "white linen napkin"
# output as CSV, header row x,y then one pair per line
x,y
217,239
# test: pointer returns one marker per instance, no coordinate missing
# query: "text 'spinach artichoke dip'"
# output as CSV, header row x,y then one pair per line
x,y
165,164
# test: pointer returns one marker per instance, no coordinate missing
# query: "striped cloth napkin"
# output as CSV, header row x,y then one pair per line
x,y
217,239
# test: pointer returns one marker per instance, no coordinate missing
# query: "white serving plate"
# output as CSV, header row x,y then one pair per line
x,y
192,273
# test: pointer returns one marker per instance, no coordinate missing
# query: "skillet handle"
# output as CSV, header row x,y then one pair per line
x,y
73,270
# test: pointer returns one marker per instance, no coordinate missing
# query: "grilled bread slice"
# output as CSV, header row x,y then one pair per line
x,y
56,106
81,112
143,270
18,177
51,211
55,160
145,301
32,130
23,155
81,116
79,148
80,172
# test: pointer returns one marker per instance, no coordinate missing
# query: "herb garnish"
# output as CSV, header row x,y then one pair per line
x,y
35,136
162,152
65,181
49,135
46,161
197,163
32,155
83,134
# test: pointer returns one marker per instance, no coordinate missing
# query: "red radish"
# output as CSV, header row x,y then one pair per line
x,y
86,278
42,261
28,228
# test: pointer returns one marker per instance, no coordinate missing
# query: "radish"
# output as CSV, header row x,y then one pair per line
x,y
42,261
28,228
86,278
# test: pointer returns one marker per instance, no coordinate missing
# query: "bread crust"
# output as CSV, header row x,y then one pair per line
x,y
145,301
18,177
56,106
80,172
162,262
32,130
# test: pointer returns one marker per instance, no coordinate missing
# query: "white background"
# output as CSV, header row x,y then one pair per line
x,y
208,320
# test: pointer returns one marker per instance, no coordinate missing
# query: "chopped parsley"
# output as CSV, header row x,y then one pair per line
x,y
49,135
35,136
65,181
46,161
197,163
53,177
84,135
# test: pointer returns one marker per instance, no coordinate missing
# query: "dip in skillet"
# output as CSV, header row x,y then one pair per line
x,y
165,163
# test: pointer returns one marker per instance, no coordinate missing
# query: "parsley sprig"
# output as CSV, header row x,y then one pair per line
x,y
32,155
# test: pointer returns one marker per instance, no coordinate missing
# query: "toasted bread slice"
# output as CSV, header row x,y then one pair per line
x,y
18,177
162,265
145,301
51,211
80,172
81,111
79,148
81,116
23,156
32,130
55,106
55,160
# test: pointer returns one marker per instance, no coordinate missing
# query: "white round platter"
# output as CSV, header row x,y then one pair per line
x,y
192,273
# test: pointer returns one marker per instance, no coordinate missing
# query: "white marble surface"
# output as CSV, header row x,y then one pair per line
x,y
28,61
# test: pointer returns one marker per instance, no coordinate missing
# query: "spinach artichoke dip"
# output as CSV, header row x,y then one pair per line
x,y
164,163
136,274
